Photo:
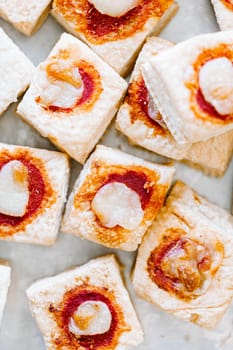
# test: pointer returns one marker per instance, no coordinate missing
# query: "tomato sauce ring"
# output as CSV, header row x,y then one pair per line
x,y
137,178
135,181
70,303
99,28
138,100
41,194
200,107
92,89
175,241
99,175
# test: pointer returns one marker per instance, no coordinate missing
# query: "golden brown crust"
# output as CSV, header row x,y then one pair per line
x,y
137,99
205,169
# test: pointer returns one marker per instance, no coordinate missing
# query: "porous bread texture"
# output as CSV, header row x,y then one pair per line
x,y
224,15
201,220
26,16
81,222
16,71
138,132
5,279
166,76
76,132
121,54
211,156
102,272
44,228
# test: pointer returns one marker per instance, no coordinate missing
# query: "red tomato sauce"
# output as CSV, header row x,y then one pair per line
x,y
143,97
138,100
154,263
99,28
228,4
181,286
88,90
36,190
91,342
200,107
135,181
207,107
99,24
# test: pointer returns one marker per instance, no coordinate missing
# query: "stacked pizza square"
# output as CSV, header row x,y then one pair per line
x,y
179,102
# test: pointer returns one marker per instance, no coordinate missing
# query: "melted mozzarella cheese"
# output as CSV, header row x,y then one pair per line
x,y
60,93
91,317
114,8
154,113
152,109
216,83
14,192
116,204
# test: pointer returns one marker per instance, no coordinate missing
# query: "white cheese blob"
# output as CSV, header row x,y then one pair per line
x,y
114,8
14,192
154,114
152,108
116,204
91,317
216,83
60,93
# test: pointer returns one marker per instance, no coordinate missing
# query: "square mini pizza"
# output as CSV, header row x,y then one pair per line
x,y
33,186
139,118
24,15
193,85
224,13
73,97
5,279
15,69
185,262
86,308
114,30
116,198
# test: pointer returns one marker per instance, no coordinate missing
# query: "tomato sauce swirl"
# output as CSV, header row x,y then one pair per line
x,y
180,265
200,107
138,101
70,303
100,28
36,189
90,79
41,194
